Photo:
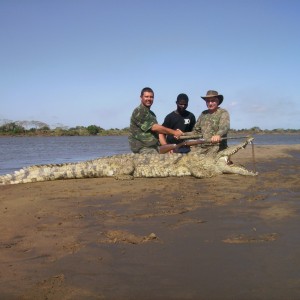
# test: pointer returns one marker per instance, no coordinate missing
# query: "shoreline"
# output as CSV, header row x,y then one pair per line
x,y
156,238
232,133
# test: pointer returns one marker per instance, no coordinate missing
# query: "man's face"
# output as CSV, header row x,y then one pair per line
x,y
147,99
212,103
181,105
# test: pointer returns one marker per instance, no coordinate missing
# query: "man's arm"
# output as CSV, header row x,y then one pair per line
x,y
224,124
162,139
164,130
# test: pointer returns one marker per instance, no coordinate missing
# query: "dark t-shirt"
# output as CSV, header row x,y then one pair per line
x,y
185,122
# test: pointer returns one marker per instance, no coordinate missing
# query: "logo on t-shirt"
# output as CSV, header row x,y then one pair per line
x,y
187,121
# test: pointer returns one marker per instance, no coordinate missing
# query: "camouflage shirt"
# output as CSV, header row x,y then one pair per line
x,y
217,123
140,134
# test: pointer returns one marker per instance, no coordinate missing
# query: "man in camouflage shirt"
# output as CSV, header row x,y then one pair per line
x,y
213,123
144,129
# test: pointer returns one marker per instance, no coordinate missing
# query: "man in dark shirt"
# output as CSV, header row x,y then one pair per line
x,y
178,119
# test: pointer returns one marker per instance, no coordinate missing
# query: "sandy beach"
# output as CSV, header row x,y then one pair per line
x,y
226,237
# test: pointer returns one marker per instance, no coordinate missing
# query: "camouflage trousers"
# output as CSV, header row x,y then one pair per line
x,y
148,150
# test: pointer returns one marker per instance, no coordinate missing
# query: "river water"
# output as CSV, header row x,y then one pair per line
x,y
19,152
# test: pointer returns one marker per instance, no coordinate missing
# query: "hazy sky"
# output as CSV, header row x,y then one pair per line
x,y
84,62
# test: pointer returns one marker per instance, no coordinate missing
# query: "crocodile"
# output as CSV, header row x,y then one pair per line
x,y
130,165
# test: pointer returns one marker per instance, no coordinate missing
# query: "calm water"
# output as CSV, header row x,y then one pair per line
x,y
18,152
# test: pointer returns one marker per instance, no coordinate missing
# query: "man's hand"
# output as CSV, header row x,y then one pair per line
x,y
215,139
178,133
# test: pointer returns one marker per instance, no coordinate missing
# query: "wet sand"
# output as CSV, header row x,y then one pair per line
x,y
226,237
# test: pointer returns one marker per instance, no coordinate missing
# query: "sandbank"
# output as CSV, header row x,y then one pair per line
x,y
226,237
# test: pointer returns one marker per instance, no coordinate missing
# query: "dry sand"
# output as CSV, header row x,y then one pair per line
x,y
227,237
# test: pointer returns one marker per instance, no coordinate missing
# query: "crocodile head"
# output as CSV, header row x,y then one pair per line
x,y
221,163
223,159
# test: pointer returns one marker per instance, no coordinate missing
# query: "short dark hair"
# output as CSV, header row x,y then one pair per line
x,y
146,89
182,97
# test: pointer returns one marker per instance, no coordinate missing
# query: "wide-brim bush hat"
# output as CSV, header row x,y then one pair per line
x,y
212,93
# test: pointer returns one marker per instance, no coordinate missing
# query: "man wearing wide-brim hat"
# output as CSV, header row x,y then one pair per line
x,y
213,123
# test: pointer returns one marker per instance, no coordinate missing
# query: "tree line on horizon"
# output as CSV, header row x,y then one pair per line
x,y
37,128
42,129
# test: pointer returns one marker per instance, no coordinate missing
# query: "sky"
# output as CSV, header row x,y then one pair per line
x,y
84,62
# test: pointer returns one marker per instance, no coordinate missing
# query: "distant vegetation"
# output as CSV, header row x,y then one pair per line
x,y
37,128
